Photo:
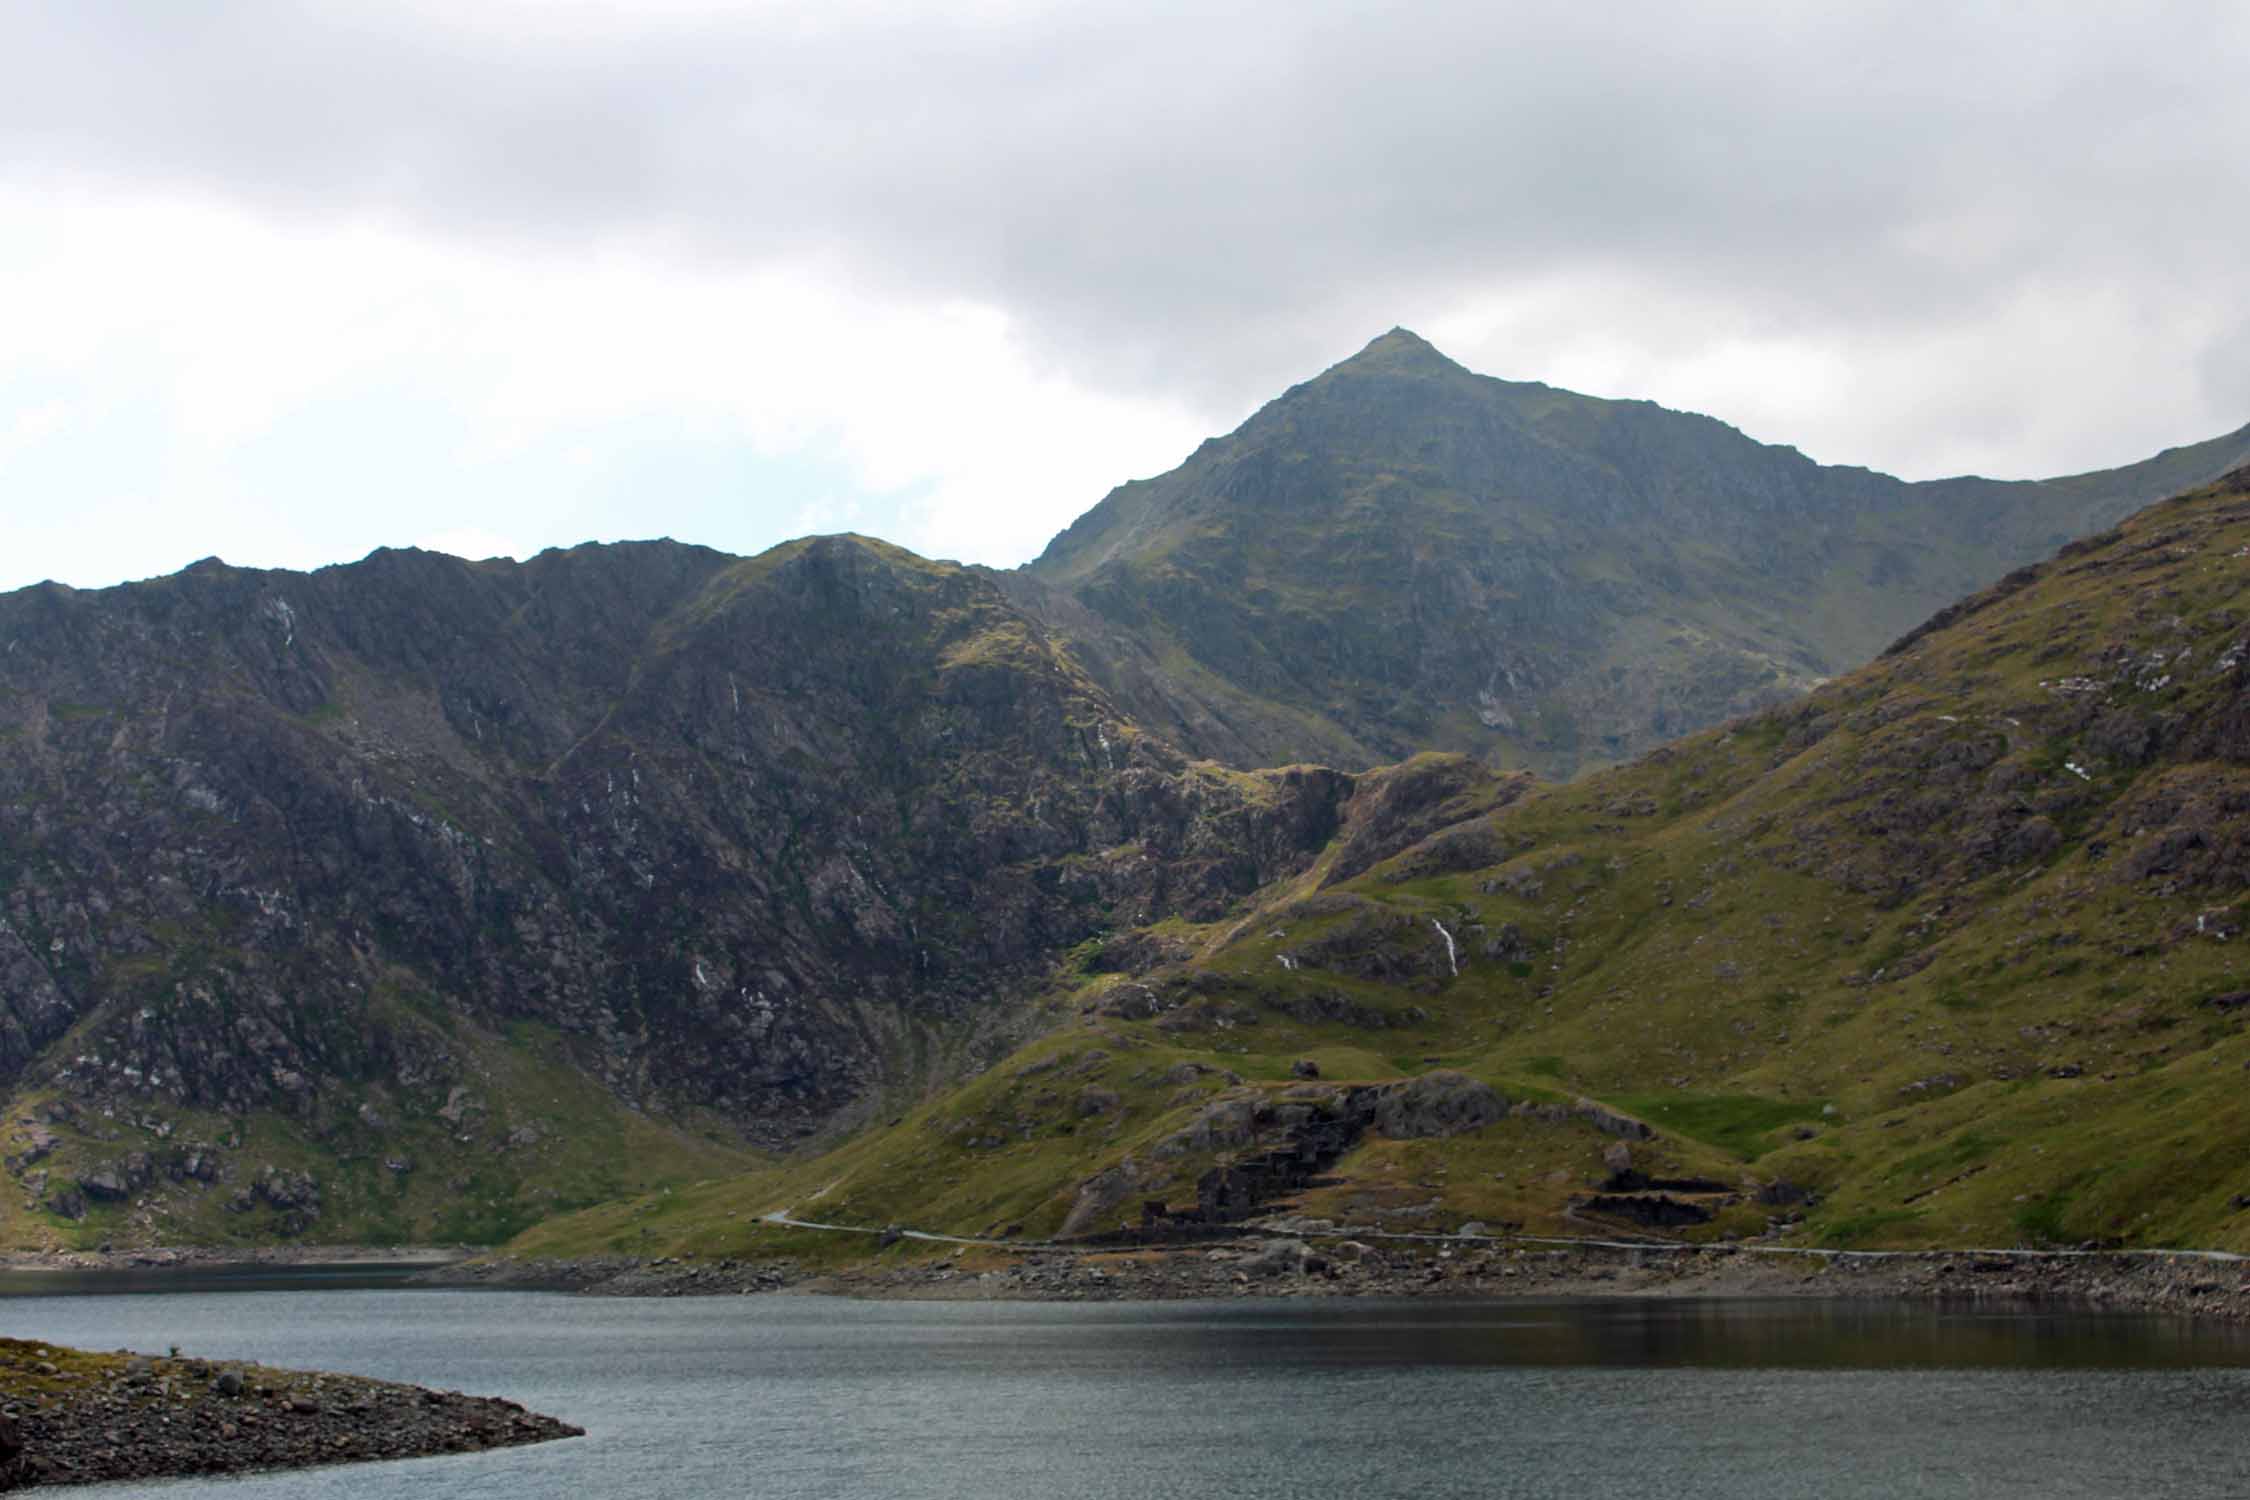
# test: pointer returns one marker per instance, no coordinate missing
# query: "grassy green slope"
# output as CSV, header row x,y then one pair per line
x,y
1956,942
529,1136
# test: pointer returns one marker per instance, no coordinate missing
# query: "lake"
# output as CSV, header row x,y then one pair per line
x,y
818,1397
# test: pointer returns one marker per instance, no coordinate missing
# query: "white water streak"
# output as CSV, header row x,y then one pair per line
x,y
1452,954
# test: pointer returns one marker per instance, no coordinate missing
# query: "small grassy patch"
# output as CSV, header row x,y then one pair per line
x,y
1733,1122
1862,1229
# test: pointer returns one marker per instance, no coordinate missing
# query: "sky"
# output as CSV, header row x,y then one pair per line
x,y
285,282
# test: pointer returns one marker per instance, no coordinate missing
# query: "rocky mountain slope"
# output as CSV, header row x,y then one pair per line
x,y
1948,952
421,899
1401,555
416,897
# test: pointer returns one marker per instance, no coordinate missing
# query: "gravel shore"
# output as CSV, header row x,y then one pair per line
x,y
1315,1266
72,1417
189,1256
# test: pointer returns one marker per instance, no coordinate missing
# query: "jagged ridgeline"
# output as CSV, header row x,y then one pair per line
x,y
419,897
1949,952
1401,555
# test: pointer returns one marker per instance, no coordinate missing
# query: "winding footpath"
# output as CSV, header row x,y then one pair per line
x,y
1325,1230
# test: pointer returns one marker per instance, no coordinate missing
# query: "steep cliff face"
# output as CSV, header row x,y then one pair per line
x,y
1401,555
744,842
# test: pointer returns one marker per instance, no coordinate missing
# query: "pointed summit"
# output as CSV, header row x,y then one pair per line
x,y
1403,555
1401,352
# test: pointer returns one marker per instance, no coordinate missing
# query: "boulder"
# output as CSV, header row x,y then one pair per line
x,y
108,1185
1100,1197
1225,1124
1278,1258
288,1189
1610,1122
38,1142
1442,1103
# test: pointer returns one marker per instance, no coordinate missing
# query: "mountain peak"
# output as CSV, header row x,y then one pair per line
x,y
1401,351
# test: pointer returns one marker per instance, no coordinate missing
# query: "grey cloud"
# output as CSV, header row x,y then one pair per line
x,y
1218,197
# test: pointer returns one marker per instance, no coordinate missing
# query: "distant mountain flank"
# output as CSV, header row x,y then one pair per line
x,y
417,897
1948,952
1400,555
421,899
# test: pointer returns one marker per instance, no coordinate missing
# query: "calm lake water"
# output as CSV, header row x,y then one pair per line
x,y
812,1397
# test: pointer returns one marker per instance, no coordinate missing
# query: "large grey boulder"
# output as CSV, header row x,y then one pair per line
x,y
1278,1258
1437,1104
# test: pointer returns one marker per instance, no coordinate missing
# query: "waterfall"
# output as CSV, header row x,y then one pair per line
x,y
1452,955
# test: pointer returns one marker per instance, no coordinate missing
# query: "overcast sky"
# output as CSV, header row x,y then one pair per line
x,y
285,282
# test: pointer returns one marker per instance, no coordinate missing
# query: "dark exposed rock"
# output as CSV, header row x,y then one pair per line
x,y
1650,1210
1380,944
1610,1122
1225,1194
38,1143
1506,944
1317,1006
106,1186
1397,807
719,824
1299,1138
1101,1197
1136,953
1441,1103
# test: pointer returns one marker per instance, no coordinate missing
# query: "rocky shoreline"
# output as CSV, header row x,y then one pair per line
x,y
1314,1266
1286,1260
187,1256
68,1416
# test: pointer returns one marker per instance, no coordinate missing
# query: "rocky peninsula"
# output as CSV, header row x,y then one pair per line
x,y
68,1416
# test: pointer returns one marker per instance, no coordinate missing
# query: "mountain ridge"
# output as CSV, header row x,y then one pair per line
x,y
1560,580
1945,953
384,861
422,897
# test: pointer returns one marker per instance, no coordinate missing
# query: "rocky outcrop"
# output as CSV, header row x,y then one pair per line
x,y
1442,1103
1272,1146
